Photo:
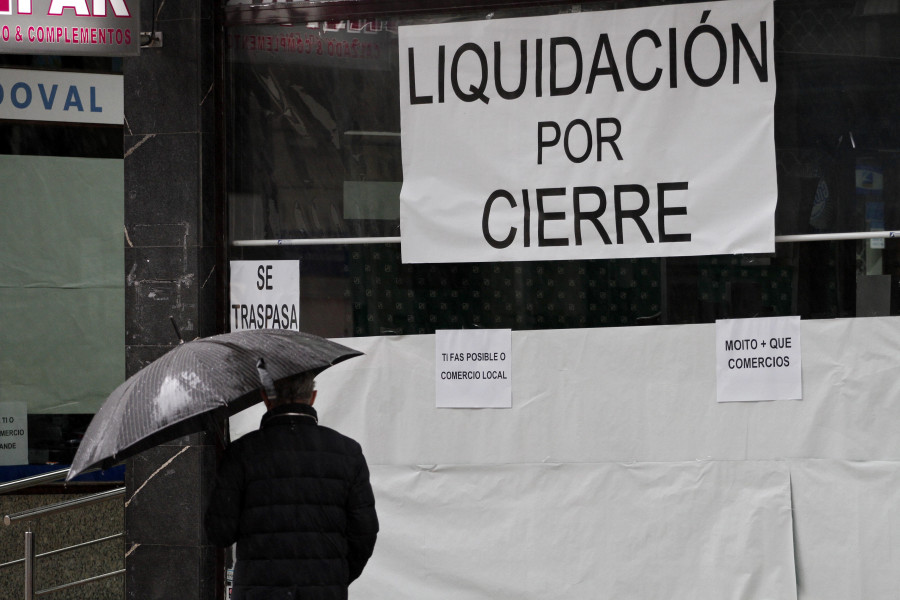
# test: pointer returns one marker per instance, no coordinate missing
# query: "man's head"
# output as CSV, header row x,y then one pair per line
x,y
299,389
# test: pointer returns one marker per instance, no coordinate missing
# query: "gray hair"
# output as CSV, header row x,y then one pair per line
x,y
296,389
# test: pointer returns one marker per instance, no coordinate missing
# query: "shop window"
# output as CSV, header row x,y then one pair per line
x,y
61,274
313,125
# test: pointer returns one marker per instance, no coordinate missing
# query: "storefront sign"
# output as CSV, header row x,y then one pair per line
x,y
265,294
363,44
13,433
626,133
758,359
61,96
79,27
473,368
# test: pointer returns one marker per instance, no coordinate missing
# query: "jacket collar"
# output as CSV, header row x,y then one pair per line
x,y
291,413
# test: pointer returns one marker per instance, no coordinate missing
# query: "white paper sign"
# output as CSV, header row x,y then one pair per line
x,y
472,368
13,433
758,359
265,294
610,134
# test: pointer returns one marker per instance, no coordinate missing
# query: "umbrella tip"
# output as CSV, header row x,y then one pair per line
x,y
177,331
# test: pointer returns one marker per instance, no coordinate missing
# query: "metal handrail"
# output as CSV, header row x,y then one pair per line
x,y
43,511
31,480
52,509
66,586
66,549
25,482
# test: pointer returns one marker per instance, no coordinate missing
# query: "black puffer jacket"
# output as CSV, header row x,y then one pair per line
x,y
296,498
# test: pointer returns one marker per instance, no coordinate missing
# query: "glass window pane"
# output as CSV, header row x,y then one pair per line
x,y
314,154
62,304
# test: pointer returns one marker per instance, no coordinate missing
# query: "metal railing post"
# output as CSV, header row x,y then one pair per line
x,y
29,564
29,559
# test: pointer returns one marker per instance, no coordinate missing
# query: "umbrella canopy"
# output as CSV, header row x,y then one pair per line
x,y
207,378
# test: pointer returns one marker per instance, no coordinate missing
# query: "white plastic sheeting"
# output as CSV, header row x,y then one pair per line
x,y
706,530
617,474
847,528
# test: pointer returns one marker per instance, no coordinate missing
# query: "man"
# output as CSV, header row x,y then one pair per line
x,y
295,497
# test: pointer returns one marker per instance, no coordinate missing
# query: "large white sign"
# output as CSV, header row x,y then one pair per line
x,y
472,368
627,133
61,96
265,294
758,359
79,27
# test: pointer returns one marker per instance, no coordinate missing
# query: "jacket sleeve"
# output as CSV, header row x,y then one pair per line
x,y
362,521
224,510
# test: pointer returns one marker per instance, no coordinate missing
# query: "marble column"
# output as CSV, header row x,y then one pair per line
x,y
170,272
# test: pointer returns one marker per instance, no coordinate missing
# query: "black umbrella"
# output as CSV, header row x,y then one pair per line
x,y
195,384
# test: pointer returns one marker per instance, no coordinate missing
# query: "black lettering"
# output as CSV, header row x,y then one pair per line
x,y
475,92
673,59
663,211
442,65
760,65
542,143
413,98
593,216
629,60
556,90
611,139
485,218
633,214
523,71
588,145
544,216
610,69
689,54
526,223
